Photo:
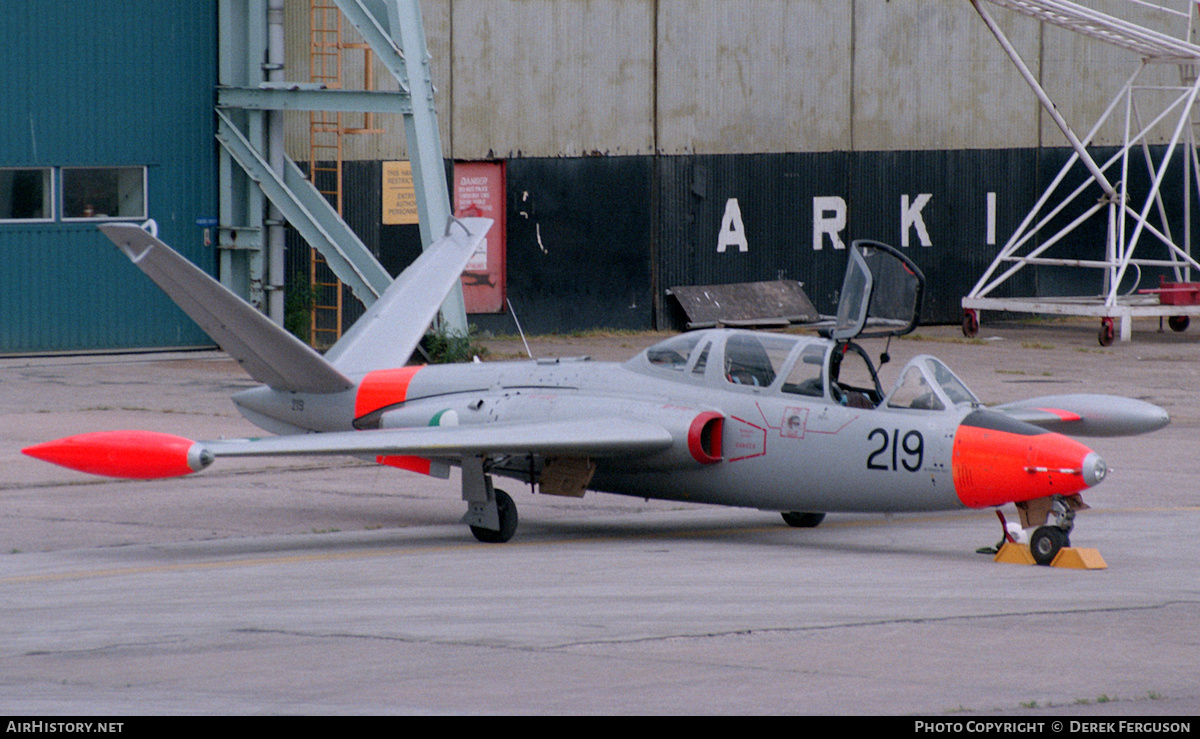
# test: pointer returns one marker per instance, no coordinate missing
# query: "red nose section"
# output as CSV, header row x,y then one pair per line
x,y
139,455
998,460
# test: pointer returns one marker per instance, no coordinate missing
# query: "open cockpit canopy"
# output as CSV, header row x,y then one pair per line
x,y
881,293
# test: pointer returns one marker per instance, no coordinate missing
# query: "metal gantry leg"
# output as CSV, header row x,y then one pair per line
x,y
1127,221
398,40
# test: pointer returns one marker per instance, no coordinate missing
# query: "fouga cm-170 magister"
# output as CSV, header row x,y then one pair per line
x,y
778,422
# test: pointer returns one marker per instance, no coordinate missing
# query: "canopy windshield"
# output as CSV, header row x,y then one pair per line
x,y
881,293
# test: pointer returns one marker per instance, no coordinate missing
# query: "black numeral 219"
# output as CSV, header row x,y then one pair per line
x,y
907,451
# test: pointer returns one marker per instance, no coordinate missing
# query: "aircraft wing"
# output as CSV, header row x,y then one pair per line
x,y
149,455
1088,414
594,437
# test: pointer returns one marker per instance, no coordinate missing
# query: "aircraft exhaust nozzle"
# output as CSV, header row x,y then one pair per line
x,y
136,455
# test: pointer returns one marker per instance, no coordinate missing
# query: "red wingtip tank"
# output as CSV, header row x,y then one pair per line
x,y
138,455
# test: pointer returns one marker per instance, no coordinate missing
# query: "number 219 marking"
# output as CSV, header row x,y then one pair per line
x,y
907,451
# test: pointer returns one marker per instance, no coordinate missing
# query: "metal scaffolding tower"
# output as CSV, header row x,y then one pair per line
x,y
326,132
1133,219
250,101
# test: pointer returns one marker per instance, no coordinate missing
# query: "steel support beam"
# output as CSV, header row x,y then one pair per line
x,y
310,214
396,33
307,97
242,50
388,26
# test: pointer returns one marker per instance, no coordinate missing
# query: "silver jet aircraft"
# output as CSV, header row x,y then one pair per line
x,y
778,422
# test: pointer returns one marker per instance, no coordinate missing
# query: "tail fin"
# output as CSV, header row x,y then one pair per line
x,y
269,353
387,334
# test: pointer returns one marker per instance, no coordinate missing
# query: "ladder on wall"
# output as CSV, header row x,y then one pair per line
x,y
326,131
245,99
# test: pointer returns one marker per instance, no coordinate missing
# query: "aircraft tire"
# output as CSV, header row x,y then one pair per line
x,y
800,520
508,521
1046,543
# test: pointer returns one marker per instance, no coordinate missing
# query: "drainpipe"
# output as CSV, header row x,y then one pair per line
x,y
275,157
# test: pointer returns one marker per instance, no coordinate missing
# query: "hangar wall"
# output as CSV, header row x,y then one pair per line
x,y
626,127
901,121
102,93
550,78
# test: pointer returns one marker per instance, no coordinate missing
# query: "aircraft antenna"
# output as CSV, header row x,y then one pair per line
x,y
519,331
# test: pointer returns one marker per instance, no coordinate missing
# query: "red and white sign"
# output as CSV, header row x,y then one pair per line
x,y
479,191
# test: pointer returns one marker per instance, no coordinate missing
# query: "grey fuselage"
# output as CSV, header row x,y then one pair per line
x,y
792,437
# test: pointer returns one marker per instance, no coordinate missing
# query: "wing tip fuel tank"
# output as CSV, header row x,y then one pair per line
x,y
136,455
1085,414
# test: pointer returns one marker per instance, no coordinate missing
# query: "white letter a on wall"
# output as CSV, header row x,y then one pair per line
x,y
732,230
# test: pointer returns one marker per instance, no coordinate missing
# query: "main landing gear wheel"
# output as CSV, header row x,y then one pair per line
x,y
1178,323
1046,542
508,521
970,326
800,520
1106,332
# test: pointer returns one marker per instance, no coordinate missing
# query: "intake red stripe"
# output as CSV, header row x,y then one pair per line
x,y
1064,415
406,462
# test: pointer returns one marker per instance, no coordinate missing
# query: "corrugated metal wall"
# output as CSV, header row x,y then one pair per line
x,y
90,86
906,114
627,126
934,205
552,78
547,78
595,241
580,236
774,77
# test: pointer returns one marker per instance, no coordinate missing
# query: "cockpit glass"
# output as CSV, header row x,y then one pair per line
x,y
702,360
881,293
927,384
913,391
852,305
673,354
807,376
755,360
951,385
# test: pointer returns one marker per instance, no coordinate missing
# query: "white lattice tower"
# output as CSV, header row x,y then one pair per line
x,y
1131,217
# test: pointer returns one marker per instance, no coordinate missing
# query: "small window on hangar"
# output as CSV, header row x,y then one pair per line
x,y
26,194
99,193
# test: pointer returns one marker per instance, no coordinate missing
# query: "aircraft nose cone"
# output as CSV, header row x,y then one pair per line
x,y
1094,469
999,460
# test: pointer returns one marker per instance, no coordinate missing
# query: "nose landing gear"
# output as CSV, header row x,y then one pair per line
x,y
1050,538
